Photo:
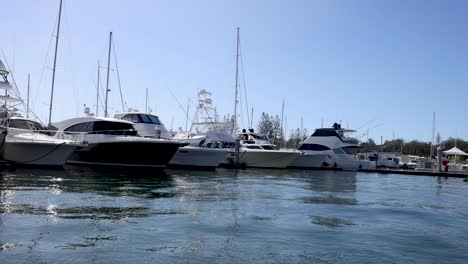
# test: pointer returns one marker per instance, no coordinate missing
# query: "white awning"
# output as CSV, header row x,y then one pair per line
x,y
455,151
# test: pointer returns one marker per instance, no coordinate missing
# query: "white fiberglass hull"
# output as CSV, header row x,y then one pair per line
x,y
198,157
346,162
276,159
38,153
314,161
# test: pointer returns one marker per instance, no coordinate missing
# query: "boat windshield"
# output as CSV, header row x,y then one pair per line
x,y
28,125
142,118
103,127
259,137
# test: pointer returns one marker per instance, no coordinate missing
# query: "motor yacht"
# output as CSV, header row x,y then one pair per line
x,y
257,151
331,148
115,142
28,142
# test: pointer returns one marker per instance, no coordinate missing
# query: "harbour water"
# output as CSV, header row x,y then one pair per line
x,y
249,216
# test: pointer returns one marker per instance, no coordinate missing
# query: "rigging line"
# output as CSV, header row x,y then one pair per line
x,y
180,105
118,76
367,123
16,87
44,64
70,51
245,87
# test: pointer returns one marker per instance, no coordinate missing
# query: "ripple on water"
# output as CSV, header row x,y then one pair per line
x,y
331,222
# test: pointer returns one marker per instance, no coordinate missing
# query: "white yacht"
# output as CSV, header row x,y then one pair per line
x,y
27,142
115,142
207,150
257,151
331,148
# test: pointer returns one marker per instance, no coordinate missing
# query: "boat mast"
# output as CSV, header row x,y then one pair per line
x,y
27,100
108,69
55,63
234,127
97,90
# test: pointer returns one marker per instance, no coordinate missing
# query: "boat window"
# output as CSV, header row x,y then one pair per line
x,y
325,133
132,118
113,128
38,127
353,150
82,127
154,120
254,147
145,119
315,147
268,147
260,137
20,124
339,151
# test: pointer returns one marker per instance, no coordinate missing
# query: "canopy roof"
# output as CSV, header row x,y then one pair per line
x,y
455,151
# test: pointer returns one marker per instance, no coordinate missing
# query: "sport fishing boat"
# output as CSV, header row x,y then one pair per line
x,y
331,148
114,142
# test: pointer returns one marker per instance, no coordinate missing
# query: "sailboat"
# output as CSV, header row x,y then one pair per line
x,y
255,149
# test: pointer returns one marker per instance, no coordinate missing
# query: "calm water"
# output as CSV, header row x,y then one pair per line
x,y
252,216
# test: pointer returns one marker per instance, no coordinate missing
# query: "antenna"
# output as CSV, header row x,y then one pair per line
x,y
27,101
55,63
146,103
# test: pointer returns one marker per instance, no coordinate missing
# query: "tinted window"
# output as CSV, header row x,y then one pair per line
x,y
132,118
325,133
21,124
155,120
267,147
254,147
113,128
82,127
339,151
315,147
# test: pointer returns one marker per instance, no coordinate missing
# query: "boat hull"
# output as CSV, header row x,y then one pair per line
x,y
263,159
125,154
38,153
195,157
311,161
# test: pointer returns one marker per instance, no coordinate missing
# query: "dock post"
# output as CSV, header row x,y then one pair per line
x,y
236,158
439,159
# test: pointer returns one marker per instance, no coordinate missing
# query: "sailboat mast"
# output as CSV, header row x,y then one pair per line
x,y
108,69
55,63
234,128
27,100
97,90
282,123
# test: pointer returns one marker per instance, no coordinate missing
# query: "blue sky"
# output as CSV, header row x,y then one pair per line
x,y
383,65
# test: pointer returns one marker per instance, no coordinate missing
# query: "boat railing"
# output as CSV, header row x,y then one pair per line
x,y
41,135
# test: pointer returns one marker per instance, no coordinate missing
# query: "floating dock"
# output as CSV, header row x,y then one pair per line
x,y
418,173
